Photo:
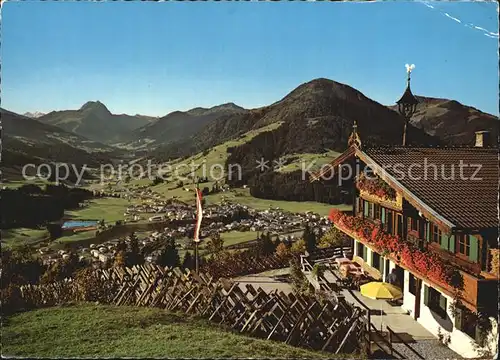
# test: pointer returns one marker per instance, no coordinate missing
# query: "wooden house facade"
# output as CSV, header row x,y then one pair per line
x,y
429,216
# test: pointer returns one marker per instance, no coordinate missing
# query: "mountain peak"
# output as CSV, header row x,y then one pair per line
x,y
225,108
34,115
327,90
94,106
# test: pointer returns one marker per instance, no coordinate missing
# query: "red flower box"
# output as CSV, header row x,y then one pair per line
x,y
424,263
376,187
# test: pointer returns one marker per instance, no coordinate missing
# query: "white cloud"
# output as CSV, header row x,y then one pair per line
x,y
485,32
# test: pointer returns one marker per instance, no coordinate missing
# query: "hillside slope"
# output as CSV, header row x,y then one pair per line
x,y
179,126
316,116
95,122
26,140
111,331
452,121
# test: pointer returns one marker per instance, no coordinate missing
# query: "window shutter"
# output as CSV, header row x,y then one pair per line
x,y
366,208
365,253
382,215
381,266
473,248
426,295
372,210
452,243
428,231
444,241
458,318
442,303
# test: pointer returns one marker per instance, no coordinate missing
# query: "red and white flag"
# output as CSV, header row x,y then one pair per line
x,y
199,215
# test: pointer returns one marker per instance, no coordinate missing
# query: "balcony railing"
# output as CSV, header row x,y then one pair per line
x,y
426,264
447,272
396,203
416,240
467,266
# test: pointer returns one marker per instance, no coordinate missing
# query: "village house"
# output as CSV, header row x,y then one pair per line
x,y
426,219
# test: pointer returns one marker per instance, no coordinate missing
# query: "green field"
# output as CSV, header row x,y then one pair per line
x,y
243,197
112,209
201,163
308,161
110,331
216,155
79,236
15,238
18,183
109,209
238,237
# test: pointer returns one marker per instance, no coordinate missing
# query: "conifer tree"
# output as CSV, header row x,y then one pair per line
x,y
189,261
169,256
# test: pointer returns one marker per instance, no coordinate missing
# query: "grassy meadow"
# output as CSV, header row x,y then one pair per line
x,y
20,237
109,209
111,331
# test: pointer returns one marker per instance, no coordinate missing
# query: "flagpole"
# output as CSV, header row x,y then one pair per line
x,y
196,256
196,241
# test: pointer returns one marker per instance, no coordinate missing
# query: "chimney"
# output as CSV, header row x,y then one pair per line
x,y
482,138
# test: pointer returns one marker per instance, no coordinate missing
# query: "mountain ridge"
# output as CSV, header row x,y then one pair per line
x,y
94,121
29,141
327,107
34,114
179,125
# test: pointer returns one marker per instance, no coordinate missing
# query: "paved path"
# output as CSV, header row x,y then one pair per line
x,y
382,314
265,282
429,349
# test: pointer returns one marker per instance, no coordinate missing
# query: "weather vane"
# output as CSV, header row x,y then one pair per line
x,y
409,69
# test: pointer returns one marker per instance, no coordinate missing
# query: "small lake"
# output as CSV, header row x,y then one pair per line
x,y
79,223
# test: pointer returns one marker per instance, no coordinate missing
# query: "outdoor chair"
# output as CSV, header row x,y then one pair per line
x,y
397,302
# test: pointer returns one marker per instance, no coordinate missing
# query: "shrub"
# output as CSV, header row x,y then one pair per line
x,y
300,284
318,270
119,259
189,262
298,247
333,237
216,244
282,250
265,244
90,286
157,180
11,300
169,256
309,239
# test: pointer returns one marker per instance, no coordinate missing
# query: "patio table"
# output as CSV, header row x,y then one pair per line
x,y
342,260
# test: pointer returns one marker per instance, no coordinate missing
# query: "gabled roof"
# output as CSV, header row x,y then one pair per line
x,y
457,186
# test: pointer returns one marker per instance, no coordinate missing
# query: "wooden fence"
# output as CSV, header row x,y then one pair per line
x,y
244,263
331,325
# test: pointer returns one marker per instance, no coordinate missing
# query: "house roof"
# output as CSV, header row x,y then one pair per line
x,y
461,184
456,185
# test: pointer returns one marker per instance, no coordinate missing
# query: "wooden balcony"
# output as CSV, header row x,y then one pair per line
x,y
479,292
462,264
396,204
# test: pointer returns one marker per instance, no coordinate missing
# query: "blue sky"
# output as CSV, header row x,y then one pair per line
x,y
153,58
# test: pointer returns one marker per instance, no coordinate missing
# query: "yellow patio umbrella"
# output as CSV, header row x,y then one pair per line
x,y
380,291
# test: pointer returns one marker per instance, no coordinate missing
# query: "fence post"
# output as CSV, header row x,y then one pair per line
x,y
368,333
390,337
